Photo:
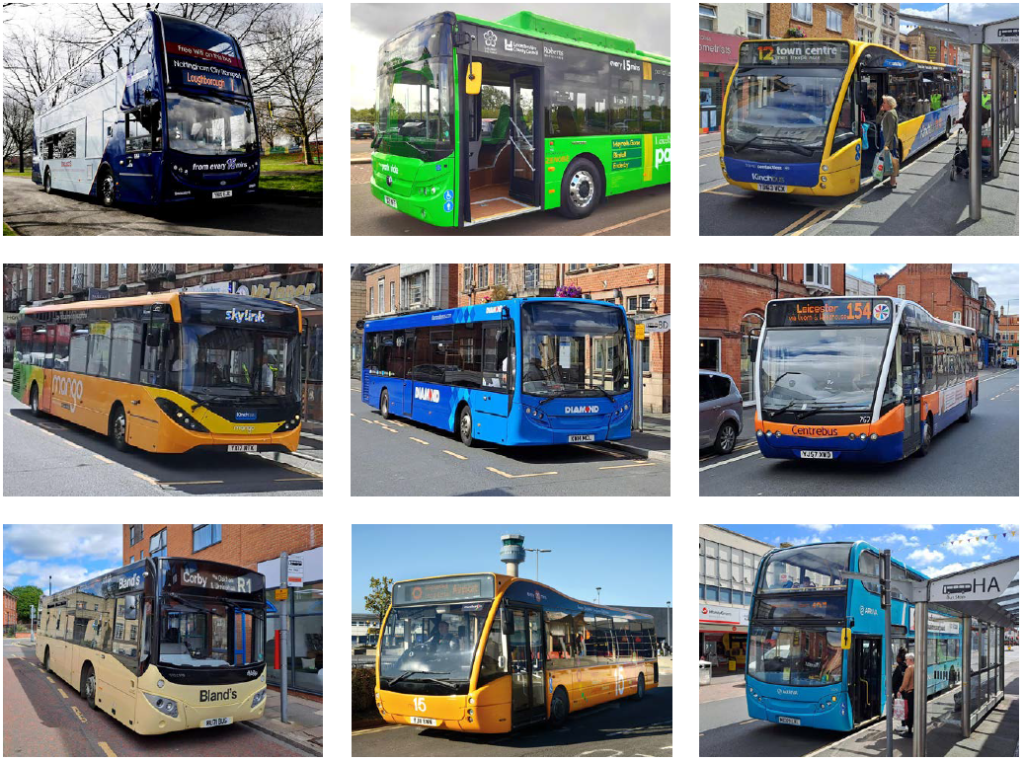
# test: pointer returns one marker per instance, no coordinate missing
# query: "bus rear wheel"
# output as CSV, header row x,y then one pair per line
x,y
46,660
119,429
47,184
385,405
581,189
106,188
33,400
966,417
88,686
466,427
641,687
926,439
559,708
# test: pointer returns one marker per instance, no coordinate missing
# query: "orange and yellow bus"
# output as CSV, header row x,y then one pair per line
x,y
489,653
171,372
163,644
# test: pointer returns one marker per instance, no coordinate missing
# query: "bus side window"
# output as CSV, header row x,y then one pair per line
x,y
79,350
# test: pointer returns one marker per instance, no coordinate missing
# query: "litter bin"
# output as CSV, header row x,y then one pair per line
x,y
705,672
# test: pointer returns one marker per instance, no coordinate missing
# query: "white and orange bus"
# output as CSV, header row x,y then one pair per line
x,y
489,653
170,372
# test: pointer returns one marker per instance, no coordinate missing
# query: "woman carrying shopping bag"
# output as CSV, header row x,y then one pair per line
x,y
889,120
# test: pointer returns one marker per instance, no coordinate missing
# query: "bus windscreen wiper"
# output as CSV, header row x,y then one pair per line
x,y
406,674
599,388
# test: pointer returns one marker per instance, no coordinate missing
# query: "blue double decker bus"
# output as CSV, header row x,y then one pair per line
x,y
517,372
161,113
798,673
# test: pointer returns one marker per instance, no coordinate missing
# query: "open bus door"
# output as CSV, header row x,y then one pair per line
x,y
526,660
866,678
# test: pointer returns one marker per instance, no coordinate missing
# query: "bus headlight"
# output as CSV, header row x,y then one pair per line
x,y
163,705
290,424
179,416
757,435
472,701
258,698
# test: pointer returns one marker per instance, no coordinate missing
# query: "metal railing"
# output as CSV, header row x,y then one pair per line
x,y
157,271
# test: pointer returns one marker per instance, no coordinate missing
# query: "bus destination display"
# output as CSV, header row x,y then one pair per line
x,y
794,53
829,312
444,590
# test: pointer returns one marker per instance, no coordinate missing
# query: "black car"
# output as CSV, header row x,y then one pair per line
x,y
362,129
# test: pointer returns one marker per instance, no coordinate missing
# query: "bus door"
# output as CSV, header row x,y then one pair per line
x,y
910,355
137,174
871,88
407,385
526,665
866,678
525,137
491,402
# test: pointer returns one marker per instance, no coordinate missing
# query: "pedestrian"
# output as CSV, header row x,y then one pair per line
x,y
897,674
965,120
889,120
907,690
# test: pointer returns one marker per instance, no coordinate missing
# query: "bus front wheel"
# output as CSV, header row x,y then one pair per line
x,y
926,439
641,687
559,708
33,400
119,429
466,427
966,417
88,686
385,405
47,184
581,189
107,188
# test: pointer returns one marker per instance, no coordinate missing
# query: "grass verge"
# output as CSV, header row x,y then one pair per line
x,y
8,230
287,162
27,174
299,183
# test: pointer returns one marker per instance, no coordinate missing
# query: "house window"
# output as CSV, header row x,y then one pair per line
x,y
707,18
957,317
834,20
204,535
531,276
50,280
753,268
641,302
785,272
105,276
392,295
576,267
60,281
802,12
901,291
500,273
755,26
467,276
122,273
371,301
415,289
710,354
645,355
380,294
818,274
481,273
158,544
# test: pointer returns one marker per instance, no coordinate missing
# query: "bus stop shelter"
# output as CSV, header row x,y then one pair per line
x,y
994,45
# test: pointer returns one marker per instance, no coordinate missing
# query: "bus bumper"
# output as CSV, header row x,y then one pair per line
x,y
150,721
487,710
883,449
179,440
818,715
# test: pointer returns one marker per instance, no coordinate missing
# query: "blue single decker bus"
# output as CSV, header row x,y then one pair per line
x,y
162,113
798,673
517,372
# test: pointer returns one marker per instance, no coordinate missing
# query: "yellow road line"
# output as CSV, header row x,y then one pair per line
x,y
307,478
300,471
106,749
101,458
419,441
366,421
146,478
524,475
378,729
72,445
627,222
602,451
631,465
454,455
62,693
187,483
809,215
392,430
78,713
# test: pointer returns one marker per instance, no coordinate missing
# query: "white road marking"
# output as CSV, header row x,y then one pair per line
x,y
726,462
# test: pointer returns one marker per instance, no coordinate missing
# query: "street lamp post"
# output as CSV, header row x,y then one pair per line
x,y
538,558
598,595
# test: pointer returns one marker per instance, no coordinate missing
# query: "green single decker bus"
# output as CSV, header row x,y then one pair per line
x,y
482,120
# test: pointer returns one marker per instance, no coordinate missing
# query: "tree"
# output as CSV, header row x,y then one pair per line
x,y
288,68
17,130
27,596
270,128
103,20
32,62
379,599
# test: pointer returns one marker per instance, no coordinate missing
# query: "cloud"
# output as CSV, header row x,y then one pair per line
x,y
62,576
799,540
49,541
968,548
1009,527
987,557
818,527
895,538
925,555
918,526
932,571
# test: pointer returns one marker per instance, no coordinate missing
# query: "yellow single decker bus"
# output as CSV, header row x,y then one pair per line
x,y
489,653
169,372
161,645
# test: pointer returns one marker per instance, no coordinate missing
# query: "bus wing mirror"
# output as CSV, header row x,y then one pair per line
x,y
152,340
508,625
473,78
131,610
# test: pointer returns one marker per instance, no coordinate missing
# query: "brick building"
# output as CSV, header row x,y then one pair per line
x,y
258,548
1009,335
399,288
10,613
950,296
732,302
813,19
478,281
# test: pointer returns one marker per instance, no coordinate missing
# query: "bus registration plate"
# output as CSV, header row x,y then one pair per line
x,y
218,722
581,437
806,454
787,720
424,722
771,188
243,448
389,201
222,193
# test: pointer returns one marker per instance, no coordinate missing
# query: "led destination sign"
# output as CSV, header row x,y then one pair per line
x,y
450,589
794,53
829,312
206,75
210,578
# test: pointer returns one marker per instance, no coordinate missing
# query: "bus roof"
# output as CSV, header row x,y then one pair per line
x,y
169,297
534,25
860,544
473,310
898,303
857,47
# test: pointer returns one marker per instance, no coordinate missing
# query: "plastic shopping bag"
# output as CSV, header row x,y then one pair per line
x,y
899,709
878,171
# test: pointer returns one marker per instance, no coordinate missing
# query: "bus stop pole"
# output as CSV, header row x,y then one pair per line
x,y
284,640
920,675
974,144
965,677
887,646
997,119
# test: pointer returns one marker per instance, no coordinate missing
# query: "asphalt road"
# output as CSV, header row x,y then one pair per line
x,y
49,457
400,457
44,716
30,211
642,212
979,458
620,728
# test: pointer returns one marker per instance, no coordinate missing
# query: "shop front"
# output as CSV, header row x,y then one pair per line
x,y
723,638
717,57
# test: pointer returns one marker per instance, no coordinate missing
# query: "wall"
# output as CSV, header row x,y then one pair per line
x,y
780,19
241,544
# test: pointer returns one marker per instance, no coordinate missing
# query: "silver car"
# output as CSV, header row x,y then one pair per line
x,y
721,412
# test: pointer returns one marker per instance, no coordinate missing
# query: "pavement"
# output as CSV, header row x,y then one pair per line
x,y
30,211
652,443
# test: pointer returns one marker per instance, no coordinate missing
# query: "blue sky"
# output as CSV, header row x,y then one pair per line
x,y
1001,280
924,546
69,553
631,563
963,13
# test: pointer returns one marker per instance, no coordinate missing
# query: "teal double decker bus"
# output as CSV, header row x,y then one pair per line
x,y
479,120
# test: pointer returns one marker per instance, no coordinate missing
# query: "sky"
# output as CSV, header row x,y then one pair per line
x,y
647,24
925,547
963,13
1001,280
582,557
70,553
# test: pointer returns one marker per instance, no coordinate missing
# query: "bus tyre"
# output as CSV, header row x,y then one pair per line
x,y
966,417
726,439
581,189
47,185
641,688
119,429
33,401
385,405
88,686
46,660
559,708
926,439
106,188
466,426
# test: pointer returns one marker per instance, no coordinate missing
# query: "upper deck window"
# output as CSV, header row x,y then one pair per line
x,y
814,567
191,40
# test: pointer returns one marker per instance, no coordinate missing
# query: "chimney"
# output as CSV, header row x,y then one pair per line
x,y
512,553
960,274
880,280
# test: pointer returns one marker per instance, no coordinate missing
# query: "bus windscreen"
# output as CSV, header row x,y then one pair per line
x,y
829,312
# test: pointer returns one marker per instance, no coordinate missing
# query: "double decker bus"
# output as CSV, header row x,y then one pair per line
x,y
161,645
169,372
798,673
162,113
517,372
489,653
484,120
859,379
801,115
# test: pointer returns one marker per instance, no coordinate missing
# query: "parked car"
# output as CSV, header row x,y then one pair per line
x,y
363,129
721,411
1010,362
